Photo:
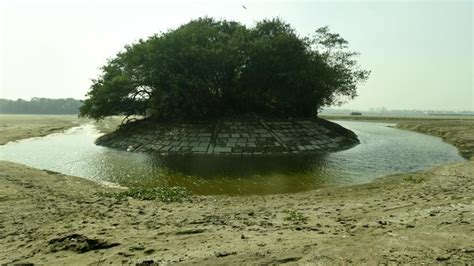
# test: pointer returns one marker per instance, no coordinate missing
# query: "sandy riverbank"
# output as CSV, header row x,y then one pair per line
x,y
459,133
17,127
425,217
456,130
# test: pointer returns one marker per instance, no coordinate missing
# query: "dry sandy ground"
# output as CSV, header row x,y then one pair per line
x,y
426,217
15,127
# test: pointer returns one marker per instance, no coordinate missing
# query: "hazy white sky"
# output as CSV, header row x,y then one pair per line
x,y
420,52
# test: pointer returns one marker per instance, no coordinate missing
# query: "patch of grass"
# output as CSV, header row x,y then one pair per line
x,y
164,194
414,179
295,216
51,172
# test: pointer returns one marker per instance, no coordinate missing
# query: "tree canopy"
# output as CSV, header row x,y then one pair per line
x,y
213,68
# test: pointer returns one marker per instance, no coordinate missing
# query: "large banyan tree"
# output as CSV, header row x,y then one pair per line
x,y
208,69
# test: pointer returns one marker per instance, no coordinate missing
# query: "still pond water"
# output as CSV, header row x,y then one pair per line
x,y
383,150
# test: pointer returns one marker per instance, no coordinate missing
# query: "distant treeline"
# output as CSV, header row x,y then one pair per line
x,y
40,106
384,111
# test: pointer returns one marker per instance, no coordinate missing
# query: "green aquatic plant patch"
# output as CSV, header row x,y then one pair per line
x,y
164,194
295,216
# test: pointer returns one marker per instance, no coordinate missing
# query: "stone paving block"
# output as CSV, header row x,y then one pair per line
x,y
165,148
147,147
210,150
308,147
203,144
175,149
230,144
199,149
185,149
222,149
156,147
251,144
332,145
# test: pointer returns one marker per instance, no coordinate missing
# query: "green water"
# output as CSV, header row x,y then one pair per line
x,y
383,150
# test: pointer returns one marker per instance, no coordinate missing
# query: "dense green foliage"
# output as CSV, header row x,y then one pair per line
x,y
67,106
208,68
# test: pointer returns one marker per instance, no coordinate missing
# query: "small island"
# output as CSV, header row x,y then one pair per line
x,y
217,87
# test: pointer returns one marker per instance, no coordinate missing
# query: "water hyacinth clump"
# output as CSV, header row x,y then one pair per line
x,y
164,194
